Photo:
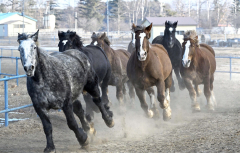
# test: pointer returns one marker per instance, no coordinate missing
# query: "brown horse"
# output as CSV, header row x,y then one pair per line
x,y
118,60
198,67
148,66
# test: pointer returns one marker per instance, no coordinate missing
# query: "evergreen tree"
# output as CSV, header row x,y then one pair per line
x,y
91,10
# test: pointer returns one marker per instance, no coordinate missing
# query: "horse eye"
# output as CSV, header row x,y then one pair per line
x,y
34,47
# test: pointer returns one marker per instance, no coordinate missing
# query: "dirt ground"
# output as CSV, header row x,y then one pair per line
x,y
133,132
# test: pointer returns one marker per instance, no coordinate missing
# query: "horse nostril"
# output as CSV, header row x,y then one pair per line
x,y
32,67
189,61
25,68
145,53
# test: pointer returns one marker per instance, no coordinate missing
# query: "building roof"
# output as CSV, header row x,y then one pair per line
x,y
6,15
13,21
182,21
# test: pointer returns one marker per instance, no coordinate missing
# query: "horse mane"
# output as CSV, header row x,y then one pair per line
x,y
160,47
208,47
25,36
77,39
106,40
191,34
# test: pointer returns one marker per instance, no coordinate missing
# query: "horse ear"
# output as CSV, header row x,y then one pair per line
x,y
133,26
148,29
166,23
175,24
35,36
103,36
60,34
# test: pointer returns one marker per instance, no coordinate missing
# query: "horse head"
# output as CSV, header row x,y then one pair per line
x,y
169,33
69,40
100,40
142,44
189,47
28,52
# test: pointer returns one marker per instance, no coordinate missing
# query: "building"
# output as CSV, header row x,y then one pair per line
x,y
184,24
13,23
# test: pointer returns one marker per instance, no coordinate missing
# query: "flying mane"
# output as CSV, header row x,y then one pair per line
x,y
77,39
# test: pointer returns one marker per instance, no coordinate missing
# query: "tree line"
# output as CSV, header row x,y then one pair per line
x,y
122,13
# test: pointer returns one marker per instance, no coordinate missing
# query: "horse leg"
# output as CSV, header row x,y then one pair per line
x,y
192,93
104,87
212,93
197,89
142,98
89,106
120,93
92,88
151,94
180,80
78,110
207,93
126,98
72,124
131,91
164,97
47,127
172,88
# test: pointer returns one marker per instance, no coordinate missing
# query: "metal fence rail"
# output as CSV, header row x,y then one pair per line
x,y
6,109
230,65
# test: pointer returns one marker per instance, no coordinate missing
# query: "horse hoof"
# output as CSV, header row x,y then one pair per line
x,y
195,108
110,124
92,131
49,150
85,145
167,114
150,114
210,108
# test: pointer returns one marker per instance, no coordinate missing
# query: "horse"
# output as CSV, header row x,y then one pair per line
x,y
198,67
174,49
97,58
131,45
118,60
55,81
148,66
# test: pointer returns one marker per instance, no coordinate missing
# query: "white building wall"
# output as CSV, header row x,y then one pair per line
x,y
30,25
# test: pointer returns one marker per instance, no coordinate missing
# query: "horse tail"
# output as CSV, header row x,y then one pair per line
x,y
208,47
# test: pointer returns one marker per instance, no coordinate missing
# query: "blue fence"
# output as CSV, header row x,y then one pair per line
x,y
230,65
6,109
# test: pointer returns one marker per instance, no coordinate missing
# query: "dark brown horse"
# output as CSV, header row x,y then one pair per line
x,y
118,60
148,66
198,67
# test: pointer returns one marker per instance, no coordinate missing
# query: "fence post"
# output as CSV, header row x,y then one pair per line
x,y
6,100
17,69
230,68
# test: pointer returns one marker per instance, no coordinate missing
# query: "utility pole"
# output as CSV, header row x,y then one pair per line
x,y
23,15
107,20
198,12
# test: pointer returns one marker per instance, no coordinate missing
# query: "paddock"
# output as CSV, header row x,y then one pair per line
x,y
133,132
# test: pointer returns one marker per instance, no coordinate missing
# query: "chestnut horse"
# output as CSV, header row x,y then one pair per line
x,y
198,67
118,60
148,66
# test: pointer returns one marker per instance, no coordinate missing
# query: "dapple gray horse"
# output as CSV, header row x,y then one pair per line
x,y
55,81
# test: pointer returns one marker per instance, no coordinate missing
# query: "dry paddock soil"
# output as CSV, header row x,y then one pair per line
x,y
133,132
